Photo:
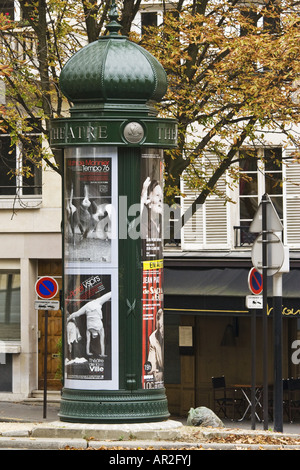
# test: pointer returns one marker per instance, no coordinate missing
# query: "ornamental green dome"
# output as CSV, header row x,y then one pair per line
x,y
113,73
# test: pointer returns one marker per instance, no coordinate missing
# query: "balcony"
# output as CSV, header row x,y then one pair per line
x,y
242,236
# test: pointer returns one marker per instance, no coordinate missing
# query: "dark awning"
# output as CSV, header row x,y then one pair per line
x,y
228,282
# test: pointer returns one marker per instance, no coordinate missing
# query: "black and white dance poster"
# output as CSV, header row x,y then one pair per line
x,y
91,268
90,207
90,343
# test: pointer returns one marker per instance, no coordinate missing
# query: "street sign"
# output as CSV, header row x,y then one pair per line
x,y
255,281
46,287
254,301
275,254
46,305
272,219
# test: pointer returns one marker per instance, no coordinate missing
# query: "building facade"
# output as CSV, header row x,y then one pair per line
x,y
30,246
206,276
207,263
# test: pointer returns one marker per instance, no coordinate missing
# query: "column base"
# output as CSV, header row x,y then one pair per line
x,y
109,406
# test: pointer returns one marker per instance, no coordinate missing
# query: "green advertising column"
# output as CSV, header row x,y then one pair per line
x,y
113,145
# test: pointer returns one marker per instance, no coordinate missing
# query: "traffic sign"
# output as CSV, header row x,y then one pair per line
x,y
275,253
254,301
46,287
272,219
46,305
255,281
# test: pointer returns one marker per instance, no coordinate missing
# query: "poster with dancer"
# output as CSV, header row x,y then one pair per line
x,y
152,269
152,204
90,206
90,321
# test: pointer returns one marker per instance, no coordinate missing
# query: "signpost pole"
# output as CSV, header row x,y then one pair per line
x,y
46,288
272,259
45,365
256,286
253,367
277,322
265,310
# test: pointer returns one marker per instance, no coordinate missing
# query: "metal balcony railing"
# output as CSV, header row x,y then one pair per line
x,y
242,236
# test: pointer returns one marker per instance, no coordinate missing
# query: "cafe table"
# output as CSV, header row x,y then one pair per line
x,y
245,389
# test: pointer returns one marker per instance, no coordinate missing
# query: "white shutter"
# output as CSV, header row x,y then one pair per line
x,y
216,222
292,190
208,228
192,233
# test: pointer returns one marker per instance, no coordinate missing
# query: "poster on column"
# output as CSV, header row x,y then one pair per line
x,y
152,269
91,347
90,222
91,268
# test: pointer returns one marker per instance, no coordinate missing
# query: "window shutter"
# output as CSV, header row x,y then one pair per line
x,y
208,227
192,234
292,184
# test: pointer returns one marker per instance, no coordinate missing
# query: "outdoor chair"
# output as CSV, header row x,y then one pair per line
x,y
293,398
225,399
285,399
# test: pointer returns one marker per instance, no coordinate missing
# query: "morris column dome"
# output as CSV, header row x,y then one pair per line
x,y
114,74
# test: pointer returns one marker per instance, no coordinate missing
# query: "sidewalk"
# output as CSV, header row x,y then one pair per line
x,y
22,426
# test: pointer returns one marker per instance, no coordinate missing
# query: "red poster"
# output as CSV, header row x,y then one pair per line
x,y
152,301
153,332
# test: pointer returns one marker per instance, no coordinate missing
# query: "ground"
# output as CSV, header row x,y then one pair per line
x,y
209,435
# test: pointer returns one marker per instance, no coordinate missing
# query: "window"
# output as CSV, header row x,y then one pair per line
x,y
268,18
261,172
13,161
10,307
248,187
7,8
273,178
7,166
148,19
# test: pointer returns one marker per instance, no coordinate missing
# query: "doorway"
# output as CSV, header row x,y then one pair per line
x,y
54,332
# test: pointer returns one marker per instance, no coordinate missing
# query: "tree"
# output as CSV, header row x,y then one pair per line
x,y
37,46
231,67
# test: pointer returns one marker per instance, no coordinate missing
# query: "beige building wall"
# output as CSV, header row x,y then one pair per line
x,y
28,235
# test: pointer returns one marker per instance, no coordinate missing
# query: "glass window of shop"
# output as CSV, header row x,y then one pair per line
x,y
10,318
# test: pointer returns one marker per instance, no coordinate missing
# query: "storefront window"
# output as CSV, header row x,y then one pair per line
x,y
10,307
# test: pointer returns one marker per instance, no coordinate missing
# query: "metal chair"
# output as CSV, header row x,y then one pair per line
x,y
285,397
226,398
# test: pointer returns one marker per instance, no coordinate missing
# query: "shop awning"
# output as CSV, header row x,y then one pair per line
x,y
227,282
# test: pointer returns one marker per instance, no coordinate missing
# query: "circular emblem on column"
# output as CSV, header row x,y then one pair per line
x,y
133,132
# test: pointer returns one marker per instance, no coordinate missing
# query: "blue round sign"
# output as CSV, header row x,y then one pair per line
x,y
46,287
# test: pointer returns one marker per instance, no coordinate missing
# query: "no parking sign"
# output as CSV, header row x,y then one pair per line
x,y
46,287
255,281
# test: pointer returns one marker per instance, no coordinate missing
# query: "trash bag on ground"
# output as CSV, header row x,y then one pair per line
x,y
203,416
